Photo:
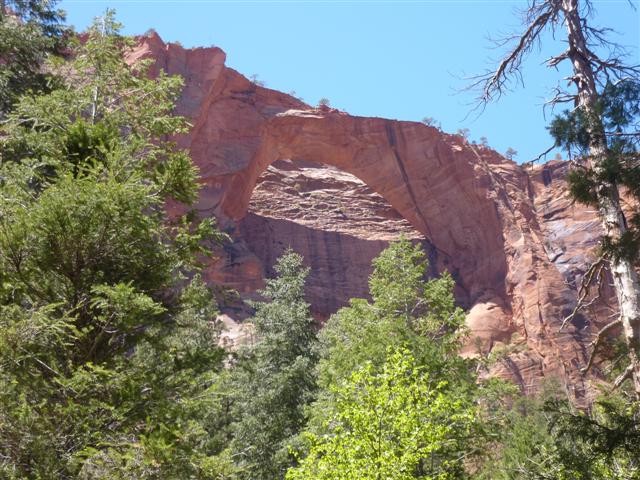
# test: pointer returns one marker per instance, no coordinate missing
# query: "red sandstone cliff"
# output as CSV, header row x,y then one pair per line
x,y
277,173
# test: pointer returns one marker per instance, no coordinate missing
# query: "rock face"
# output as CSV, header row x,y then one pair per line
x,y
330,217
276,172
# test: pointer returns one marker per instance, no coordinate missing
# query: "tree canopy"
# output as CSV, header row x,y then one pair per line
x,y
274,379
109,345
391,422
30,32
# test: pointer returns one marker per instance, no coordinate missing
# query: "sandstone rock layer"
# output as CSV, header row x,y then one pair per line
x,y
276,172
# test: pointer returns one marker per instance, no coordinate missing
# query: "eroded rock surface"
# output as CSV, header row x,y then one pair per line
x,y
509,236
330,217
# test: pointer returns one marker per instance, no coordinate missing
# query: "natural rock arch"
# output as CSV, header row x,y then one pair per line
x,y
424,178
471,204
474,206
334,220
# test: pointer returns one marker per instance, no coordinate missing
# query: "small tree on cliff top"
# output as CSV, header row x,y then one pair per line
x,y
602,127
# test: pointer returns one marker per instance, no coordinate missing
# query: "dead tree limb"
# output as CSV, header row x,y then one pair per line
x,y
628,373
596,343
593,272
588,72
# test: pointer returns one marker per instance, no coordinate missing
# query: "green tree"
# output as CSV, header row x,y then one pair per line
x,y
602,129
523,446
109,357
618,112
550,440
510,153
275,378
30,31
431,122
406,311
390,423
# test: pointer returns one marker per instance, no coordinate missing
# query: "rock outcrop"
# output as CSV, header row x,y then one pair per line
x,y
276,172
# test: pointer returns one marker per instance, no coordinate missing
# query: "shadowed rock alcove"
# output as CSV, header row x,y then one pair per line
x,y
331,218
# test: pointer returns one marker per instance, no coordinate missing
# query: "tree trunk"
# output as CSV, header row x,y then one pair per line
x,y
625,278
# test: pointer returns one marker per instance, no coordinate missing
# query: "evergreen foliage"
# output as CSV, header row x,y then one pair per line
x,y
274,379
603,128
618,111
30,31
510,153
548,439
109,356
601,443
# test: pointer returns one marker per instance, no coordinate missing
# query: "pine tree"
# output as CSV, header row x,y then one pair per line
x,y
546,438
275,378
30,31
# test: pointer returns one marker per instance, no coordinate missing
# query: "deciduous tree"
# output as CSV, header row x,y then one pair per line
x,y
407,311
392,423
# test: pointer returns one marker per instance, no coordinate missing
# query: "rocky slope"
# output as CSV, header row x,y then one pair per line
x,y
276,172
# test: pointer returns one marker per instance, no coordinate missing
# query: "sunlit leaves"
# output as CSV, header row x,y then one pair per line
x,y
389,424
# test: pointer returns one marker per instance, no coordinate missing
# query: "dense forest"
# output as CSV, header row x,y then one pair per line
x,y
111,360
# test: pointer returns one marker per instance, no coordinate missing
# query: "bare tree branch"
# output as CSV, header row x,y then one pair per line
x,y
622,134
594,272
596,343
539,157
595,62
493,83
623,376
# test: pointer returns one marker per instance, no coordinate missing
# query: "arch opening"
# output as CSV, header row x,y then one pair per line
x,y
433,182
333,219
426,178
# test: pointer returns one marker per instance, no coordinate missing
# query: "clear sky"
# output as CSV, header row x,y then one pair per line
x,y
403,59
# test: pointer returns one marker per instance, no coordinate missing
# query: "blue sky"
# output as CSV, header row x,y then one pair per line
x,y
396,59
